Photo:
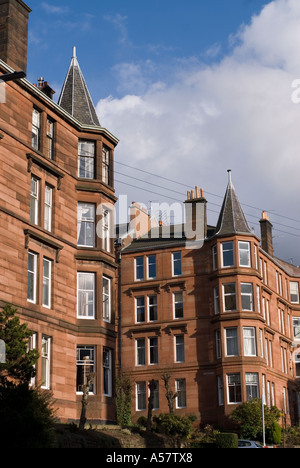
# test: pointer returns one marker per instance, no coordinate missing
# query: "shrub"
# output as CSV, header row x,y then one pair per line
x,y
227,440
274,433
177,426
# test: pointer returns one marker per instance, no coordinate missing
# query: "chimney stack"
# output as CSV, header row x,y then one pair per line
x,y
266,234
196,217
44,86
14,15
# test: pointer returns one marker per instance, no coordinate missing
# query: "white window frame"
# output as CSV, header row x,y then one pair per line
x,y
107,371
233,339
50,138
224,249
140,352
45,356
244,251
105,165
233,384
252,383
296,325
247,294
250,347
88,169
180,388
216,300
152,307
138,307
36,129
47,280
153,346
86,292
294,292
34,200
141,396
138,268
106,299
150,265
88,365
177,302
48,208
106,229
32,273
215,257
228,294
179,348
86,224
176,262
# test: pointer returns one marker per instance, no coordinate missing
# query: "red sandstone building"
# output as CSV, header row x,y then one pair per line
x,y
57,262
218,313
221,318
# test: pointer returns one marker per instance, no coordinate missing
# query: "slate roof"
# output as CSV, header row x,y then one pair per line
x,y
75,97
231,219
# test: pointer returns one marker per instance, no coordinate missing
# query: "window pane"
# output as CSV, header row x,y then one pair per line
x,y
141,396
294,291
140,348
85,366
179,348
31,277
232,342
34,198
152,304
244,254
153,350
181,393
229,297
227,254
247,296
234,388
178,304
140,309
249,341
177,264
48,208
252,386
86,159
86,224
46,282
151,266
106,299
105,165
86,286
107,372
139,268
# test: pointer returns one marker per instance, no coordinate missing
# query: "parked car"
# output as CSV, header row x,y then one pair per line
x,y
242,443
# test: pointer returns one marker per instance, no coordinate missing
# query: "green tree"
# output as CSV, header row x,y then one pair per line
x,y
26,413
248,416
19,360
123,399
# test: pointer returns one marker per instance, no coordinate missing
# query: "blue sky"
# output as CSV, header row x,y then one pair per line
x,y
108,33
191,89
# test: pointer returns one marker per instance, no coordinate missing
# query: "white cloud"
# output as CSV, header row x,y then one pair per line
x,y
52,9
237,113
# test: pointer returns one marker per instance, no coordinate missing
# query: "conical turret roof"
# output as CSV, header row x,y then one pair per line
x,y
75,97
231,219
